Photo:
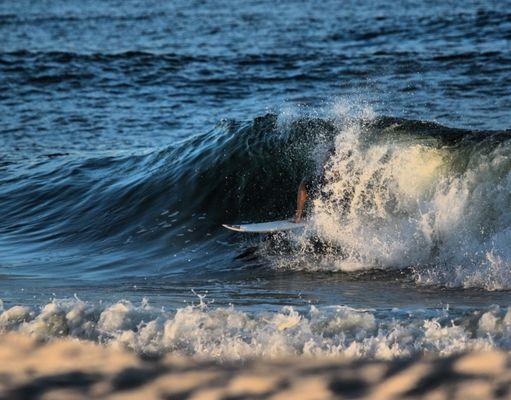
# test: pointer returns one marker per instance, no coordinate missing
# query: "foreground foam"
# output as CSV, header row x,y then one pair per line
x,y
232,334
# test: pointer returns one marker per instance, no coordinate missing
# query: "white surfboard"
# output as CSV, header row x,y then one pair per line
x,y
266,227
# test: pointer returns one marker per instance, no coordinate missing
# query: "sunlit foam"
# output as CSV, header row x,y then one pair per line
x,y
233,334
399,200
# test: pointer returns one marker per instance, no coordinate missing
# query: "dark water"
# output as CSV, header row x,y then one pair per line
x,y
131,131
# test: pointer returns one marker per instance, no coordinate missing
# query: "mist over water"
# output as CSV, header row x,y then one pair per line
x,y
130,133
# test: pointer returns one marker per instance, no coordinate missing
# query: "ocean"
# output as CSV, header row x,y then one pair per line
x,y
131,131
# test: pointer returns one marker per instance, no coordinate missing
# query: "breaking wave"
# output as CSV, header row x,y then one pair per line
x,y
397,194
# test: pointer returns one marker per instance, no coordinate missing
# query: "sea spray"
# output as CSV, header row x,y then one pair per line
x,y
396,197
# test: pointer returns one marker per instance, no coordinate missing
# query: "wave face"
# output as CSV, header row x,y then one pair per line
x,y
184,190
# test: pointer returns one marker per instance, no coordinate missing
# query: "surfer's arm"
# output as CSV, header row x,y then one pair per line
x,y
301,198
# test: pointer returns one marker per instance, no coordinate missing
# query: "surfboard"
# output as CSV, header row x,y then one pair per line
x,y
266,227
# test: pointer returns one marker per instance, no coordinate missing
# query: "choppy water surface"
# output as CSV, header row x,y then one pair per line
x,y
130,133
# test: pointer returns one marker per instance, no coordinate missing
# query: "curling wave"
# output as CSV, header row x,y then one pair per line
x,y
397,194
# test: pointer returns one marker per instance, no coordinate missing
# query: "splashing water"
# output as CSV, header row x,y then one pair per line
x,y
392,198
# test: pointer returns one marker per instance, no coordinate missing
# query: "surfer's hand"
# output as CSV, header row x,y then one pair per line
x,y
298,218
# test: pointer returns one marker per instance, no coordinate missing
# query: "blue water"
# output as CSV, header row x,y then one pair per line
x,y
131,131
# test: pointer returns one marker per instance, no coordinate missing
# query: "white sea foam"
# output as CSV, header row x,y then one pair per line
x,y
230,334
397,201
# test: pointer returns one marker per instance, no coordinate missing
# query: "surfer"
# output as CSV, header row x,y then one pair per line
x,y
309,186
313,184
303,195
